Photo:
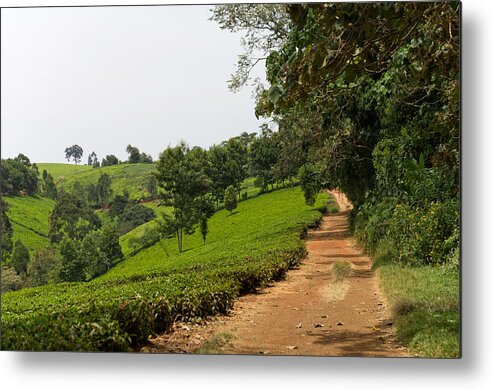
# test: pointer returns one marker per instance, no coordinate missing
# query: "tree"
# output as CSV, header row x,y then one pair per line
x,y
134,215
230,202
95,260
104,189
205,209
74,152
146,158
264,155
133,154
6,232
92,160
18,176
49,188
20,258
120,202
93,194
265,27
44,267
110,159
110,243
180,174
71,217
152,185
72,265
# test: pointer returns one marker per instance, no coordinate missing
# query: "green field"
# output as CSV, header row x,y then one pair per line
x,y
124,177
29,217
145,293
59,171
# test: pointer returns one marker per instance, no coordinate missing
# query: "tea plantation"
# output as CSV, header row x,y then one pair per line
x,y
150,290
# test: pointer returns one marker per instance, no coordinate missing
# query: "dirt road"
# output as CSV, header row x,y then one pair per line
x,y
308,313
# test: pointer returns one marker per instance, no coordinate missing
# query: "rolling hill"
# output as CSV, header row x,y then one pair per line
x,y
60,171
124,177
29,217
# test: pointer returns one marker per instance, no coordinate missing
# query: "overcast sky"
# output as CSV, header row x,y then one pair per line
x,y
107,77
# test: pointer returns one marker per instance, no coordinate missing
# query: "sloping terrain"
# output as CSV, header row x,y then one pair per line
x,y
29,217
133,178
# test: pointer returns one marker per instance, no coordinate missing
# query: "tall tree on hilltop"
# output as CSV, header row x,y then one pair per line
x,y
74,152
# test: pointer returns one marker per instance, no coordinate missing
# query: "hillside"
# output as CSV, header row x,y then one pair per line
x,y
59,171
29,217
147,292
124,177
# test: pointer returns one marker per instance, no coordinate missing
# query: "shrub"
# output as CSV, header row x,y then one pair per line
x,y
10,280
20,257
43,268
426,235
134,215
230,202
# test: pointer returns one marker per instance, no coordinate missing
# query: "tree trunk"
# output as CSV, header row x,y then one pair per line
x,y
180,239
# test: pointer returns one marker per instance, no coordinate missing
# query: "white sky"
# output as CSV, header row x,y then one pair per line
x,y
107,77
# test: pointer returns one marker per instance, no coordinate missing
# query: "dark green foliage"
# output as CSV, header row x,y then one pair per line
x,y
90,257
48,186
110,159
71,217
181,175
264,155
43,268
205,210
134,215
152,185
230,202
311,181
369,94
79,191
95,260
92,160
104,190
134,156
120,202
20,258
92,193
110,244
72,265
74,152
18,176
6,232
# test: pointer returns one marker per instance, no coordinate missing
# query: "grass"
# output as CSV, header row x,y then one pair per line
x,y
268,217
341,269
215,344
29,217
425,304
147,292
60,171
124,177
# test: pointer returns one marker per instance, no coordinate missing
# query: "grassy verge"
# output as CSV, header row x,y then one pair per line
x,y
425,305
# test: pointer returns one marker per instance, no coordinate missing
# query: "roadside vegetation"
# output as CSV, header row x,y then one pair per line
x,y
366,96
